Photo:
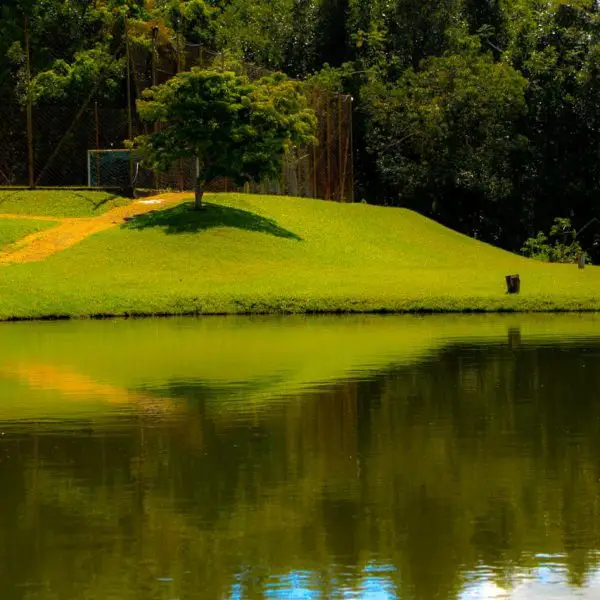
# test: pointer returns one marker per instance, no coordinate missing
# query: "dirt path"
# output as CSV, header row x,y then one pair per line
x,y
71,231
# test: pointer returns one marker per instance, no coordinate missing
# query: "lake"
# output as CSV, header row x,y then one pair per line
x,y
364,457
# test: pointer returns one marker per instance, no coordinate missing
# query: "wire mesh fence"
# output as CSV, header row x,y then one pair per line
x,y
83,146
13,149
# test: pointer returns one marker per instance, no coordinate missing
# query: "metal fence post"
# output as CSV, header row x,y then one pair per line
x,y
97,119
30,155
129,114
341,187
328,150
351,117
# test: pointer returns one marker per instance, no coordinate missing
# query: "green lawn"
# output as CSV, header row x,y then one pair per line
x,y
249,253
54,203
12,230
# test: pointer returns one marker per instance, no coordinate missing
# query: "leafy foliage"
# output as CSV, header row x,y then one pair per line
x,y
91,69
565,248
445,134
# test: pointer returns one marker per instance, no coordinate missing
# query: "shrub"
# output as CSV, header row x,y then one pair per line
x,y
559,246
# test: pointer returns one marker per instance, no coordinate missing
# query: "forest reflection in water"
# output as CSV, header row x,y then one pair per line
x,y
473,472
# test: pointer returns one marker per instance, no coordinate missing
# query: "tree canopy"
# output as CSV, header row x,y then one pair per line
x,y
233,127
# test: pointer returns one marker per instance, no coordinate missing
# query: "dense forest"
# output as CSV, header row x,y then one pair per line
x,y
482,114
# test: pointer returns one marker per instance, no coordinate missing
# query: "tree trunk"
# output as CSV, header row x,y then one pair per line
x,y
199,187
513,284
198,194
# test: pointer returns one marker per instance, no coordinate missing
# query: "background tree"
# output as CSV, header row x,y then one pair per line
x,y
445,140
233,127
558,51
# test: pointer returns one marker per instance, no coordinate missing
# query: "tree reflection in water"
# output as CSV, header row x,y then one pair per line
x,y
471,474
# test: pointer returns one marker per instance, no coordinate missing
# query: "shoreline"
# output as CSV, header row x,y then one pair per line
x,y
278,312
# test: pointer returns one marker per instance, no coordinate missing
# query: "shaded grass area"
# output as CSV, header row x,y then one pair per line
x,y
58,203
262,254
183,219
12,230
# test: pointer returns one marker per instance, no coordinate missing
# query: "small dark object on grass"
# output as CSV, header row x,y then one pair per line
x,y
513,284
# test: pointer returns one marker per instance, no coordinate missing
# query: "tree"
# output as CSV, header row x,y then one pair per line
x,y
558,51
332,41
416,29
445,141
233,127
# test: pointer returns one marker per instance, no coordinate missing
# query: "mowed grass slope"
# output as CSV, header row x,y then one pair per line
x,y
12,230
58,203
248,253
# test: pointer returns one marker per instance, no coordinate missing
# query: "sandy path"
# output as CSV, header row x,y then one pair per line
x,y
71,231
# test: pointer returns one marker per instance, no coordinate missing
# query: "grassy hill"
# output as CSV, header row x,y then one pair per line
x,y
248,253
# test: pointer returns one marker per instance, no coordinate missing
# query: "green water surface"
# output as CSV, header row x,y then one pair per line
x,y
375,458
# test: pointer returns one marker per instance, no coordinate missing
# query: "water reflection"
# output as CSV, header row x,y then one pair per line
x,y
471,473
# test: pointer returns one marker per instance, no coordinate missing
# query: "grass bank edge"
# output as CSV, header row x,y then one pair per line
x,y
215,307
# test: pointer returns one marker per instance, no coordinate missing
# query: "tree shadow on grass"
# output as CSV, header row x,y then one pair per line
x,y
183,219
99,204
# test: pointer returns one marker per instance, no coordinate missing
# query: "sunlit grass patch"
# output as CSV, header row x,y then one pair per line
x,y
12,230
58,203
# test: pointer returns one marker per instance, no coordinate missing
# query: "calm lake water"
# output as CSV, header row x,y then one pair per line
x,y
450,458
